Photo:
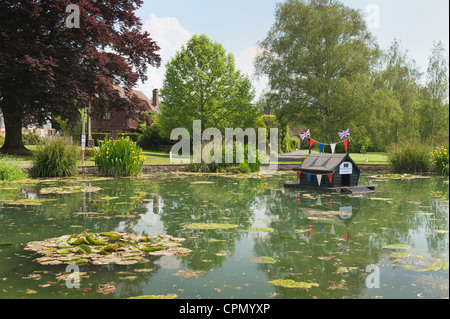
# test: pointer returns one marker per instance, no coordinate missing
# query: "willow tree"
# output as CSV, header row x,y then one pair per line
x,y
318,57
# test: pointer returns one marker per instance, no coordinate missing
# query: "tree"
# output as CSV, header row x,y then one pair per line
x,y
396,92
318,56
202,83
437,84
50,66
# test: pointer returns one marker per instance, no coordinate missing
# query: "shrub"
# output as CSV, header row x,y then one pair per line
x,y
411,158
132,136
99,137
9,171
213,167
119,158
440,160
55,158
31,139
90,151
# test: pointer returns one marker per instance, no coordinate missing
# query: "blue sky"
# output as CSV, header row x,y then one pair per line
x,y
239,25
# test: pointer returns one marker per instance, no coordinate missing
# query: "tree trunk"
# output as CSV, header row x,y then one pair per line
x,y
13,115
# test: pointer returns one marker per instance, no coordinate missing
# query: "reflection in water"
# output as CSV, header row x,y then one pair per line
x,y
310,237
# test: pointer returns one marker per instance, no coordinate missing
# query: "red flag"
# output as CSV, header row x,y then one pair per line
x,y
298,175
311,143
346,144
330,178
311,231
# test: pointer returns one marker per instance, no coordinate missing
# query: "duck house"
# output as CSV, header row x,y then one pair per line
x,y
330,172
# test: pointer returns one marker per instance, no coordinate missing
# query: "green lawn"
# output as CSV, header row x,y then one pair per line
x,y
162,158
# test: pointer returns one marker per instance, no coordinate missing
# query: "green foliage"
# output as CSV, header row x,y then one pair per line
x,y
132,136
30,139
90,151
2,139
9,171
306,57
99,137
55,158
120,157
151,138
440,160
202,83
214,167
411,158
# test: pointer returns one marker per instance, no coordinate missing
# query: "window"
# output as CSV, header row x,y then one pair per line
x,y
107,116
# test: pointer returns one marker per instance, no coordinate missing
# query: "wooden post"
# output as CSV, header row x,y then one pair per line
x,y
83,137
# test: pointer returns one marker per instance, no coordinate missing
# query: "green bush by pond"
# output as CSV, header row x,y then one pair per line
x,y
119,158
55,158
411,158
9,171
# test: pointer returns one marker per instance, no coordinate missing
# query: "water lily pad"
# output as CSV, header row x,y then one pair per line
x,y
186,273
69,190
105,248
207,226
396,246
289,283
262,229
168,296
263,260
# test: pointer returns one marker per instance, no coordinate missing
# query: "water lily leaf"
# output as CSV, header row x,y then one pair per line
x,y
263,260
289,283
168,296
85,248
207,226
262,229
396,246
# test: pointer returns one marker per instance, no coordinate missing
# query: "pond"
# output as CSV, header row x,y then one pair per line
x,y
391,244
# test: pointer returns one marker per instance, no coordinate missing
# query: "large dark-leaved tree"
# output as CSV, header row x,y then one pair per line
x,y
49,69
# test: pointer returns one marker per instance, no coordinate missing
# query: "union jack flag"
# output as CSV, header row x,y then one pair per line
x,y
304,135
344,134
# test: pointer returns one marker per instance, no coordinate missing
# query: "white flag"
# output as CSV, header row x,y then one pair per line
x,y
319,179
333,148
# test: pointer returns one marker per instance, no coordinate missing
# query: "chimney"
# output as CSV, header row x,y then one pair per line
x,y
155,100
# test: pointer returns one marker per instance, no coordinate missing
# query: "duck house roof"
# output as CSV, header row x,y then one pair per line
x,y
324,163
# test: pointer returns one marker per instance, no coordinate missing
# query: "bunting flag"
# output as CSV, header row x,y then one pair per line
x,y
311,143
344,134
319,200
304,135
319,179
309,178
330,178
359,175
298,176
321,147
311,231
333,148
346,144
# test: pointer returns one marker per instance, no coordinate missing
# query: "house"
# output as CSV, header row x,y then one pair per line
x,y
331,172
115,122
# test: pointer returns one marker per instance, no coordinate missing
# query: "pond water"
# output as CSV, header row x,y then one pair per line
x,y
334,246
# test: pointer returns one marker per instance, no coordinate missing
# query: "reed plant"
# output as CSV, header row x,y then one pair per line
x,y
121,157
56,158
411,158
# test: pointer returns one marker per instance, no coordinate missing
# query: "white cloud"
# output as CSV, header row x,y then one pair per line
x,y
170,36
245,61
